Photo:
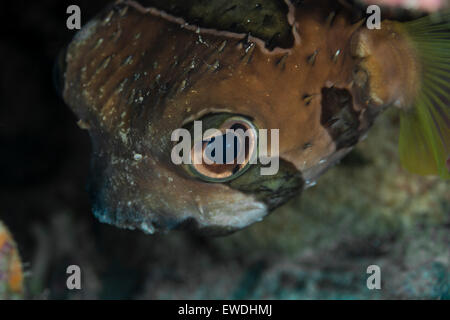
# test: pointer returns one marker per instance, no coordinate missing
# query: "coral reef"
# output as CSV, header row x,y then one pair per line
x,y
11,276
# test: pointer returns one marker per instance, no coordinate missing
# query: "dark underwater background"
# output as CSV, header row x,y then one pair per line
x,y
366,211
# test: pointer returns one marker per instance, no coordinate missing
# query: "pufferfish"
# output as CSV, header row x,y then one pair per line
x,y
311,69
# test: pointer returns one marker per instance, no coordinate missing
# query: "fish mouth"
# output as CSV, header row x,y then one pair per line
x,y
224,217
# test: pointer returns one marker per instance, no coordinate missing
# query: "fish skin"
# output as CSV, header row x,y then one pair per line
x,y
265,19
135,74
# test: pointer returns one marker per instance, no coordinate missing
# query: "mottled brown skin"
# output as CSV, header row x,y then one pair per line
x,y
390,59
133,75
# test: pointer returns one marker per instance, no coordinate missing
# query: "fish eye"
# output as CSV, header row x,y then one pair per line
x,y
226,153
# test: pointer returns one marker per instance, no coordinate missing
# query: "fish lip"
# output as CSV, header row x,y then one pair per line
x,y
219,222
222,227
155,223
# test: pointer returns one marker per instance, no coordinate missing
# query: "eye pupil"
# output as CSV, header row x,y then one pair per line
x,y
209,146
230,149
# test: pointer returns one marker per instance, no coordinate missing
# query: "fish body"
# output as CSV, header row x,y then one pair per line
x,y
136,73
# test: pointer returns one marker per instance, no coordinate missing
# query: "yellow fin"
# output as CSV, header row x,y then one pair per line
x,y
425,129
